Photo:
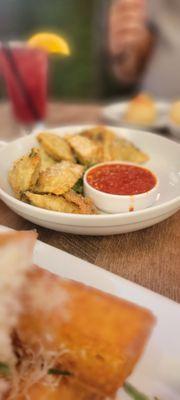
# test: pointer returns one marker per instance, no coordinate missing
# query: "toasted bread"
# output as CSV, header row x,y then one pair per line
x,y
15,259
97,337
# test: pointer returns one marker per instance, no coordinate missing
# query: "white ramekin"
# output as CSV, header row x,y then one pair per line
x,y
112,203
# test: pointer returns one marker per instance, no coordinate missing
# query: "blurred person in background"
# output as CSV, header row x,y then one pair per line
x,y
117,46
143,46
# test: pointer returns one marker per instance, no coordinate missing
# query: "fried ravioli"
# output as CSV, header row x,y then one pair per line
x,y
87,152
25,172
46,161
51,176
99,133
104,138
114,148
59,178
124,150
85,204
51,202
70,202
55,146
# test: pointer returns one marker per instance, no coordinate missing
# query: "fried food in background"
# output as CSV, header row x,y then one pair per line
x,y
95,337
25,172
55,146
141,110
16,257
174,113
59,178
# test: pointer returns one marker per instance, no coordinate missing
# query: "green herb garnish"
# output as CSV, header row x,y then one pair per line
x,y
4,369
134,393
57,371
78,187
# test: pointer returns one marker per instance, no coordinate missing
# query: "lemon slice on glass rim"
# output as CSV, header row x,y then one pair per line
x,y
50,42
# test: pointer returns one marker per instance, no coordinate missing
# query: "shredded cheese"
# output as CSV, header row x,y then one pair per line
x,y
33,368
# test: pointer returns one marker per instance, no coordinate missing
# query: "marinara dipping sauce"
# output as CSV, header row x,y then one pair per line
x,y
121,187
121,179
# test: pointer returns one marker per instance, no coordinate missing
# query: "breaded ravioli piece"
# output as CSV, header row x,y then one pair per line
x,y
51,202
85,204
55,146
99,133
59,178
115,148
46,161
70,202
104,138
25,172
87,152
125,150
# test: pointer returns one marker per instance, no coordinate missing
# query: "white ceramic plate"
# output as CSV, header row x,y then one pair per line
x,y
115,112
158,372
164,161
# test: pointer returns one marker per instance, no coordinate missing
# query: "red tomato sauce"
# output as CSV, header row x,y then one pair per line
x,y
121,179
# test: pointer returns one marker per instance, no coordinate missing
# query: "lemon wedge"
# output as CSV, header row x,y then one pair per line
x,y
50,42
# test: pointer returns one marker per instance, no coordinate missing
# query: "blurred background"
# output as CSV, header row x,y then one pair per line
x,y
118,47
74,77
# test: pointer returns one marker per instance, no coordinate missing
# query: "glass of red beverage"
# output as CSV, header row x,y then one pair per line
x,y
25,71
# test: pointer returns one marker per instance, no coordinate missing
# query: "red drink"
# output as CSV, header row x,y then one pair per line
x,y
25,71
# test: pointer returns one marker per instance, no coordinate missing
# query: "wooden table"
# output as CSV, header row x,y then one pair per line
x,y
150,257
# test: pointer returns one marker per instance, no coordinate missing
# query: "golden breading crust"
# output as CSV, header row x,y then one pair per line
x,y
99,133
104,138
70,202
85,204
46,161
59,178
87,152
67,389
114,148
55,146
51,202
124,150
25,172
96,337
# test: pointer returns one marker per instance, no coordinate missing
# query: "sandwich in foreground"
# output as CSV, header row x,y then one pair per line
x,y
69,341
15,259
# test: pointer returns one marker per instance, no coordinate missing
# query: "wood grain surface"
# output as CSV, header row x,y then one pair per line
x,y
150,257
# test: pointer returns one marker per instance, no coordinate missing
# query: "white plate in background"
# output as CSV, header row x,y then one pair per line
x,y
164,161
115,112
158,372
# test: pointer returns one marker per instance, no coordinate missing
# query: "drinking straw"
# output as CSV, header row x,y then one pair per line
x,y
16,72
